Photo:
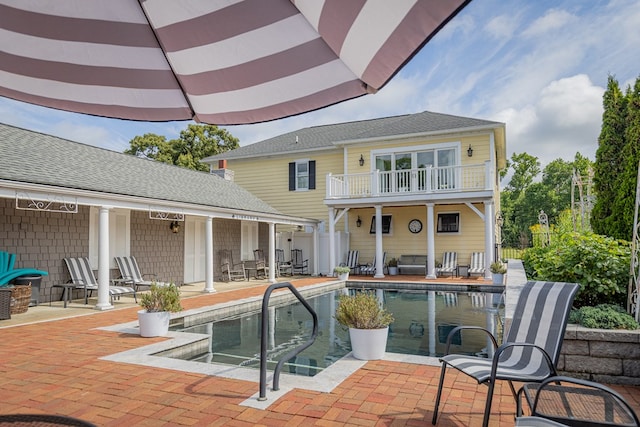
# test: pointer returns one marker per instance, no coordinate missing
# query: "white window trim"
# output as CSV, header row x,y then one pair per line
x,y
299,162
456,145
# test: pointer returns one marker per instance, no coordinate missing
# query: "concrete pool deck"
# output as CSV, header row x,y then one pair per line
x,y
55,364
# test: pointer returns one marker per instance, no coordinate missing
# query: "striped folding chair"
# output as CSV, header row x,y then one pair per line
x,y
371,268
531,349
449,263
352,261
83,278
476,266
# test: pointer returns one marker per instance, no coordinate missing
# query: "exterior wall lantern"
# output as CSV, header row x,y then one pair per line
x,y
358,222
470,151
174,226
361,161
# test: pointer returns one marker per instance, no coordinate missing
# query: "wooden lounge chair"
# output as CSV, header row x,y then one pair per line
x,y
282,265
262,269
230,270
298,263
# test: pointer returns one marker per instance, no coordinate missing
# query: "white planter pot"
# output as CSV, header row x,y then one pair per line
x,y
497,278
393,271
154,324
343,276
368,344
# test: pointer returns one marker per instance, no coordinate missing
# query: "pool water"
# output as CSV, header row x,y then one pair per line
x,y
422,321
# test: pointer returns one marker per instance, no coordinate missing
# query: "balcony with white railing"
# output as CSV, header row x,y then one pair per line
x,y
431,180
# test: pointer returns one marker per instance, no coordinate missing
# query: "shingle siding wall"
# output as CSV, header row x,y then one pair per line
x,y
226,235
42,239
157,250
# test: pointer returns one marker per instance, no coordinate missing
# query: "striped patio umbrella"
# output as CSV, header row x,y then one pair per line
x,y
214,61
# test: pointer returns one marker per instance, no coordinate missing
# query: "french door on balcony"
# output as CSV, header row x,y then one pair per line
x,y
416,170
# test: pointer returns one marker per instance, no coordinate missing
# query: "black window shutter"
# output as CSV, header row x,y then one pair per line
x,y
292,176
312,175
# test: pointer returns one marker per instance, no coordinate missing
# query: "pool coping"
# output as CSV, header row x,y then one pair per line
x,y
158,354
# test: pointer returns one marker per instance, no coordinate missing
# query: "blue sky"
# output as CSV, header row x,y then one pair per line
x,y
539,66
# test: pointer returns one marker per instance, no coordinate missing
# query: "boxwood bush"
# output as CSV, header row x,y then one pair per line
x,y
603,316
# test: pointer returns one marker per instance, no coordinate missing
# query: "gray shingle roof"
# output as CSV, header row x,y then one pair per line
x,y
36,158
326,136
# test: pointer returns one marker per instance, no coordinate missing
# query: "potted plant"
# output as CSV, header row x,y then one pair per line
x,y
157,304
498,270
342,272
393,267
368,324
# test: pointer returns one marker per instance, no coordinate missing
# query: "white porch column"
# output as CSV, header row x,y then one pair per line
x,y
431,242
208,251
488,238
379,250
316,251
332,240
272,252
103,260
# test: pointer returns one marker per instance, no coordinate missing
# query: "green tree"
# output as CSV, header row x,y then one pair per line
x,y
523,199
525,169
609,158
194,144
625,200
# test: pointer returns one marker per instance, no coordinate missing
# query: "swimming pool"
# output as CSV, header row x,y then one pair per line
x,y
423,318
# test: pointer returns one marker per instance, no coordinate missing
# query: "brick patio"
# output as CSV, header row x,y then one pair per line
x,y
54,367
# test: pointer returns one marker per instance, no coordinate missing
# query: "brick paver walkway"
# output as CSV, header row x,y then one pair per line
x,y
54,368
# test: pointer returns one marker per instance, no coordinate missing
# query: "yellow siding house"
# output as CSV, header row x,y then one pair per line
x,y
423,184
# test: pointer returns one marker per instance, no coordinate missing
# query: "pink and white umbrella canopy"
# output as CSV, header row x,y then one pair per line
x,y
214,61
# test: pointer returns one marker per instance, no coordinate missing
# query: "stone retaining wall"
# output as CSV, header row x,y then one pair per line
x,y
604,356
600,355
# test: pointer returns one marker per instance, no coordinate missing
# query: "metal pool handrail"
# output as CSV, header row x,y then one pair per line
x,y
265,331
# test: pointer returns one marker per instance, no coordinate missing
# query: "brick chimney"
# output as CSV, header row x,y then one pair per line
x,y
222,171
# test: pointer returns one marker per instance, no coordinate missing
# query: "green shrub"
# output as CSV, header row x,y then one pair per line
x,y
362,311
603,316
161,298
598,263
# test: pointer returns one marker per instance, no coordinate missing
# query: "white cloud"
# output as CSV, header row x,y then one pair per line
x,y
501,27
552,20
565,119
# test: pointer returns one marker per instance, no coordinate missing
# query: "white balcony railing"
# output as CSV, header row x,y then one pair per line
x,y
411,181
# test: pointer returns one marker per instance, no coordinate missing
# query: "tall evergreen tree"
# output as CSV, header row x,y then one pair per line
x,y
609,158
624,203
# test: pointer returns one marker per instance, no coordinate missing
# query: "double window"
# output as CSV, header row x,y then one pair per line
x,y
302,175
413,170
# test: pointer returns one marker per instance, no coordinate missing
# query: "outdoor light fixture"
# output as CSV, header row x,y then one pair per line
x,y
361,161
470,151
174,226
358,222
499,219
